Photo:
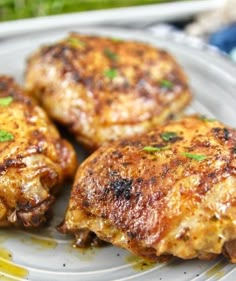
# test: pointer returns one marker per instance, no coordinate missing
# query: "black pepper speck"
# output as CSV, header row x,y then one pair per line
x,y
122,187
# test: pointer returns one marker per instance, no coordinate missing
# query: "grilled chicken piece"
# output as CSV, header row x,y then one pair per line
x,y
34,160
104,89
171,191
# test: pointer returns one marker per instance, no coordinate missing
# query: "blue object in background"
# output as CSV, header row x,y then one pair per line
x,y
233,54
225,39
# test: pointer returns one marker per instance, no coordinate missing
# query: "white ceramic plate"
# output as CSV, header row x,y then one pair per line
x,y
48,255
134,15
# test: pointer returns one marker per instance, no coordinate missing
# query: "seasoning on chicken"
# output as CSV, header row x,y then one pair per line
x,y
34,159
104,89
171,191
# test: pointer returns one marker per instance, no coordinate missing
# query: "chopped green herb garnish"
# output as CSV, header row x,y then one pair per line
x,y
5,101
155,148
110,73
5,136
197,157
166,136
166,84
75,42
111,55
206,119
116,39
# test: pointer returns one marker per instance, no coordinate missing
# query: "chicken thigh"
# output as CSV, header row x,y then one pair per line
x,y
104,89
34,159
171,191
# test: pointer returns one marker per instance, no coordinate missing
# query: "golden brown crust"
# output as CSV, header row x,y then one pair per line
x,y
161,194
104,89
34,159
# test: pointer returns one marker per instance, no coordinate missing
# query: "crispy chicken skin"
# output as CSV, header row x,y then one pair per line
x,y
34,159
171,191
104,89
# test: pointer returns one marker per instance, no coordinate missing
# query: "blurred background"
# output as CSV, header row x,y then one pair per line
x,y
16,9
213,21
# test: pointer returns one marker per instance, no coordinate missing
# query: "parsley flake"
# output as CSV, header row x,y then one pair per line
x,y
75,42
155,148
166,84
197,157
5,101
116,39
111,55
168,136
5,136
110,73
206,119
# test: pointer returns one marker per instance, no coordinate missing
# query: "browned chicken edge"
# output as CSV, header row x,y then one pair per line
x,y
169,192
34,160
105,89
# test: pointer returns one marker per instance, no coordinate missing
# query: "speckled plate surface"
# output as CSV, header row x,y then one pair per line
x,y
48,255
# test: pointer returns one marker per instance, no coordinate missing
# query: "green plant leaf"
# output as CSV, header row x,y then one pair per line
x,y
116,39
197,157
111,55
206,119
166,84
155,148
5,101
75,42
5,136
110,73
167,136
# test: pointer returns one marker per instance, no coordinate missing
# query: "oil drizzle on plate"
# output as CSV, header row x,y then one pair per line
x,y
38,243
139,264
4,278
8,267
3,237
44,243
216,271
86,254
